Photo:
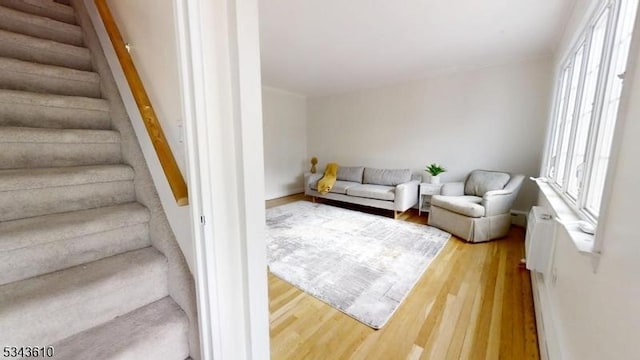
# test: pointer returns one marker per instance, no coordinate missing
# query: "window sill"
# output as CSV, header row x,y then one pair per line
x,y
568,218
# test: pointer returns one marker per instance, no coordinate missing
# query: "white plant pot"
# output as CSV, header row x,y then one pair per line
x,y
435,179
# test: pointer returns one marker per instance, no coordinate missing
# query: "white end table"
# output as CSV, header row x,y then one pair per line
x,y
426,191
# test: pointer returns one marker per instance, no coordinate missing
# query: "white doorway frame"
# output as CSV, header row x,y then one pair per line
x,y
219,50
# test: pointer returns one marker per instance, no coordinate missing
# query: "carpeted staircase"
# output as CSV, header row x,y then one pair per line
x,y
77,265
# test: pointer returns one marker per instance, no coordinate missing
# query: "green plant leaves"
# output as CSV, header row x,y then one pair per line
x,y
435,169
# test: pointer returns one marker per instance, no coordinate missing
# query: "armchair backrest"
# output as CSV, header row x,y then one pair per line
x,y
480,181
515,184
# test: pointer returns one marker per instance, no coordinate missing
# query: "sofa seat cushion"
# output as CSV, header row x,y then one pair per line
x,y
379,192
464,205
340,187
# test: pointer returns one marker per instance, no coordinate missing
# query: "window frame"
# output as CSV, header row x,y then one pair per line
x,y
561,113
581,47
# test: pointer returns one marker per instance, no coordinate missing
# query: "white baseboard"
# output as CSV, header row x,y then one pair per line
x,y
542,344
548,340
284,193
519,218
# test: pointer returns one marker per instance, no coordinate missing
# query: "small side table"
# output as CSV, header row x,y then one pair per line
x,y
426,191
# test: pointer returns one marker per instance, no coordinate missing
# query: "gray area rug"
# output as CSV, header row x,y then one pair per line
x,y
363,265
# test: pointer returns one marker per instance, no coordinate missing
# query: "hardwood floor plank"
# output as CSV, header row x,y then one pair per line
x,y
473,302
430,334
415,353
447,283
445,333
466,313
512,342
488,283
493,349
470,333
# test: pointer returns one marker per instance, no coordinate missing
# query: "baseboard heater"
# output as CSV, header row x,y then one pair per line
x,y
539,240
539,251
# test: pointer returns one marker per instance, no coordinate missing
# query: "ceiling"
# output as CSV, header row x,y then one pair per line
x,y
318,47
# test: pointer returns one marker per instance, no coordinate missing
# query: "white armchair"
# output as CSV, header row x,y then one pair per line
x,y
478,209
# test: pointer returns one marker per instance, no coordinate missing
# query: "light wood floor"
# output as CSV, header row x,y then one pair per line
x,y
473,302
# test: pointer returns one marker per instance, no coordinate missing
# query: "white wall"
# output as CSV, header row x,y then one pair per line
x,y
596,314
149,26
285,142
491,118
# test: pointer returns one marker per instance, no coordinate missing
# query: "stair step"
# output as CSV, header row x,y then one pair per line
x,y
28,109
40,27
28,76
29,48
52,307
42,191
156,331
48,9
39,245
22,147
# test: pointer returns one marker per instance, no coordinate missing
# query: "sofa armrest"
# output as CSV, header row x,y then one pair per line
x,y
309,179
452,189
406,195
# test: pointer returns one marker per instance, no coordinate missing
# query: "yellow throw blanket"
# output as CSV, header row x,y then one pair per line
x,y
329,179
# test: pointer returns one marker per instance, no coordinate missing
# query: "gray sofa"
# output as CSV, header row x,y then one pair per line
x,y
478,209
391,189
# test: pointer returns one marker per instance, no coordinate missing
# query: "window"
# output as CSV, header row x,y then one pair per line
x,y
586,107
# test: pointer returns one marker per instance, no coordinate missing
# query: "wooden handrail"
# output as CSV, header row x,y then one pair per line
x,y
159,141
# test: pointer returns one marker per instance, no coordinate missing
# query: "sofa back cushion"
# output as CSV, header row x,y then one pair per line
x,y
481,181
350,173
389,177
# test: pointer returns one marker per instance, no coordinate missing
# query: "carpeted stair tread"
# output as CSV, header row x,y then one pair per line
x,y
29,48
74,103
48,9
39,178
155,331
11,134
28,76
40,27
29,109
43,244
38,230
22,147
28,193
51,307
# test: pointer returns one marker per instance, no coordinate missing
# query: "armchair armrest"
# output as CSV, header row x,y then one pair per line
x,y
452,189
406,195
497,202
500,201
492,193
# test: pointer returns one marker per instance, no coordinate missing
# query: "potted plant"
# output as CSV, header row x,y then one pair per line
x,y
435,170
